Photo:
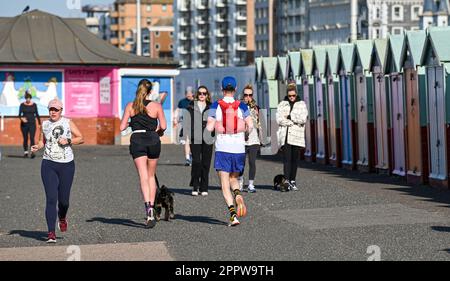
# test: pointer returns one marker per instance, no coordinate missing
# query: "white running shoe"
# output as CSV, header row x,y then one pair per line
x,y
251,189
204,193
194,193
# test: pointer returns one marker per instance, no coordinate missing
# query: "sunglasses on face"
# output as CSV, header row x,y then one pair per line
x,y
54,109
292,96
202,93
248,95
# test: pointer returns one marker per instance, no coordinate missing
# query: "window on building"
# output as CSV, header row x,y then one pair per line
x,y
397,13
171,47
397,30
149,8
157,46
376,33
122,8
149,21
377,13
171,34
164,7
416,11
157,33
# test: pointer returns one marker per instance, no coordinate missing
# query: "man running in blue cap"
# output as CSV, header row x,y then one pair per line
x,y
230,118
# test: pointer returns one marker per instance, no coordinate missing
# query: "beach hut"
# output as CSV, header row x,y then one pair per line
x,y
381,106
397,115
282,76
347,105
269,101
436,59
319,63
364,106
416,108
334,124
294,60
306,65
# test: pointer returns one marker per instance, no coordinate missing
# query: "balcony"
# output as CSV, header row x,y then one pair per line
x,y
183,22
221,48
241,31
182,36
241,2
220,17
241,46
202,5
114,41
201,20
184,8
114,27
201,34
182,51
114,14
221,3
221,33
201,49
241,16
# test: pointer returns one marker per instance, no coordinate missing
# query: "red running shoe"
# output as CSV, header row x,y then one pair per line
x,y
51,238
63,225
241,209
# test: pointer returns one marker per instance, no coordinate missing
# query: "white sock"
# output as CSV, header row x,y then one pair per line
x,y
250,183
188,157
241,178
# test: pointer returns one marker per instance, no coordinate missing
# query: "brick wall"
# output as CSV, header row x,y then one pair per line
x,y
95,130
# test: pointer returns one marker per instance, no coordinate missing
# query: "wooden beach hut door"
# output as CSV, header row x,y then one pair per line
x,y
398,124
346,119
381,120
308,123
436,109
320,118
361,106
332,120
413,123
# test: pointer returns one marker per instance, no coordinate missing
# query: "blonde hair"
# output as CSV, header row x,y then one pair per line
x,y
291,87
144,87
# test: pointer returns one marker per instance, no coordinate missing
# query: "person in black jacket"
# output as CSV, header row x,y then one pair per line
x,y
28,113
201,149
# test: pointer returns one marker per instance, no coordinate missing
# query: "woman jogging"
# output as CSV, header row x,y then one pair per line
x,y
148,124
292,115
28,114
58,166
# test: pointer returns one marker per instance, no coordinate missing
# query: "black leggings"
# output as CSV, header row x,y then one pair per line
x,y
252,153
28,130
291,155
201,163
57,179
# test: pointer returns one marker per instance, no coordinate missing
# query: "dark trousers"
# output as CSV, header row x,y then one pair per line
x,y
252,153
28,130
57,179
201,163
291,155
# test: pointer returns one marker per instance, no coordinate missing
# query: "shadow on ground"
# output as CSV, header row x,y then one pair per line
x,y
424,192
37,235
117,221
441,228
201,219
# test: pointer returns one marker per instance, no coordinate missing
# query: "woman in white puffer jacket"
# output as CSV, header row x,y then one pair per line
x,y
292,115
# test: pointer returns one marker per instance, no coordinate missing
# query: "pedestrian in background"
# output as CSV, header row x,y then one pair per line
x,y
178,121
28,113
292,115
201,149
252,140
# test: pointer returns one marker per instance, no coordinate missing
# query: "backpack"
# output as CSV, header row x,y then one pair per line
x,y
230,116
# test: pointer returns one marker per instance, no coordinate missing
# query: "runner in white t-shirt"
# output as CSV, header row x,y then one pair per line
x,y
230,118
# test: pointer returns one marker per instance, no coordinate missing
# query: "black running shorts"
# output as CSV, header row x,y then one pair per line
x,y
145,145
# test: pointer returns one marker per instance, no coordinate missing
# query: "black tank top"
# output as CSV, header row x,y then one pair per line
x,y
142,121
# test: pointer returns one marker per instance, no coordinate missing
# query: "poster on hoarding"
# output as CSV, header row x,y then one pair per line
x,y
42,85
81,92
105,90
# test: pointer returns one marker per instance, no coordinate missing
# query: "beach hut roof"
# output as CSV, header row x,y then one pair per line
x,y
380,51
320,59
346,57
282,68
396,49
294,64
364,50
333,59
414,44
307,61
258,69
439,43
270,67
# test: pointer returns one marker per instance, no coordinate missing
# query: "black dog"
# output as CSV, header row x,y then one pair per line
x,y
164,199
280,183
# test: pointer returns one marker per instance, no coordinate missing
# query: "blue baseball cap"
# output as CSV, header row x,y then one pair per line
x,y
229,83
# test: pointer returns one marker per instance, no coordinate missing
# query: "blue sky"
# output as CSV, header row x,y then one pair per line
x,y
62,8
